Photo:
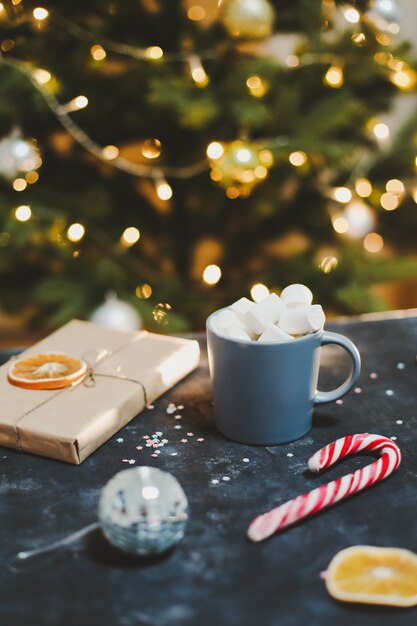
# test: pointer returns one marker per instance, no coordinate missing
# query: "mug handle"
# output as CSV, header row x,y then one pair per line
x,y
322,397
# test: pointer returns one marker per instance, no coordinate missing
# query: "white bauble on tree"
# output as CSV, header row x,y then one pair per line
x,y
247,19
389,10
116,314
18,155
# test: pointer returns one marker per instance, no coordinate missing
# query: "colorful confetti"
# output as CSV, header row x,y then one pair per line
x,y
289,454
180,407
130,461
177,427
373,375
226,478
200,439
339,401
245,460
150,406
139,447
358,390
215,481
174,453
400,366
171,408
154,455
120,440
393,438
399,422
184,440
190,434
389,392
178,417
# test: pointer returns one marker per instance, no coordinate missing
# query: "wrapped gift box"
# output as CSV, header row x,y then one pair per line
x,y
69,424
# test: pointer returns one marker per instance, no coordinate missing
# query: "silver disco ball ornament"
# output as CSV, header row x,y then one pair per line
x,y
143,510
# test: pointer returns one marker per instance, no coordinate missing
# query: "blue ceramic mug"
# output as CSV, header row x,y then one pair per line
x,y
264,393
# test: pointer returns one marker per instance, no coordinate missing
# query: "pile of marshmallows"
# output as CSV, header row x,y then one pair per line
x,y
276,318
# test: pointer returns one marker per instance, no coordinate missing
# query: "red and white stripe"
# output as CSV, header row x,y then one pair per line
x,y
294,510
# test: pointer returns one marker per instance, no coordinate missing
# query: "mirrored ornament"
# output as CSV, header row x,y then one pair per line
x,y
143,510
247,19
115,313
18,155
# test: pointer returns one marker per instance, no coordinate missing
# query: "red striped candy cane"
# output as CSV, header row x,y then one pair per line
x,y
294,510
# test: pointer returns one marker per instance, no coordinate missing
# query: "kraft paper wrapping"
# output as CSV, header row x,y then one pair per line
x,y
69,424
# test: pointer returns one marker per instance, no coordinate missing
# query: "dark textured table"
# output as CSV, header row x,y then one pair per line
x,y
215,576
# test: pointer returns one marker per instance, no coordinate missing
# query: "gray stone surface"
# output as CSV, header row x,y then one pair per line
x,y
215,576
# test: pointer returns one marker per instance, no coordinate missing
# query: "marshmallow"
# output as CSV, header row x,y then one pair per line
x,y
236,332
316,317
274,333
268,311
296,295
240,307
301,320
224,319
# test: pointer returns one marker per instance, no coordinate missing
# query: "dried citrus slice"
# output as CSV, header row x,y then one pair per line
x,y
373,576
46,370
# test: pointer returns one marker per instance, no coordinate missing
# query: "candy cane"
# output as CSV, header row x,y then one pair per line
x,y
294,510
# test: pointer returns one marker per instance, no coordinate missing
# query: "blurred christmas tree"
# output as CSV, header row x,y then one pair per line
x,y
184,156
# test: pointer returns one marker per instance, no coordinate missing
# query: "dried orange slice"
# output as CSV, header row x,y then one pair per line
x,y
46,370
373,576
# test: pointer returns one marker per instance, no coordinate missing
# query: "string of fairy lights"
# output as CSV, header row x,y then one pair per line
x,y
238,166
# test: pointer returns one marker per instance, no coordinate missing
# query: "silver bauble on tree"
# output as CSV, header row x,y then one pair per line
x,y
116,314
247,19
18,155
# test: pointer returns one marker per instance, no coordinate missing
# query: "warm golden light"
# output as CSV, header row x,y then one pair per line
x,y
40,13
130,236
359,38
232,193
151,148
381,131
342,194
196,13
163,190
351,15
19,184
215,150
414,194
41,76
389,201
212,274
98,52
403,80
259,292
32,177
292,60
340,224
143,291
261,172
328,264
2,9
198,73
154,52
110,152
373,242
297,158
243,155
363,187
334,76
23,213
75,232
7,45
256,86
395,186
81,102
